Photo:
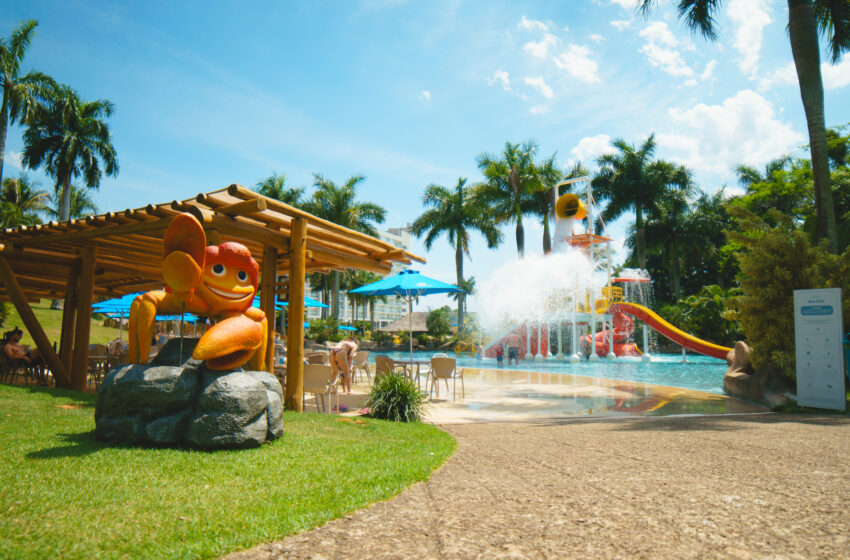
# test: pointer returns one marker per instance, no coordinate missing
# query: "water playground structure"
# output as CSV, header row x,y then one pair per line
x,y
592,314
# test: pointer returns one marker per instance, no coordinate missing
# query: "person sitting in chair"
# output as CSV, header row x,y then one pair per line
x,y
16,353
342,356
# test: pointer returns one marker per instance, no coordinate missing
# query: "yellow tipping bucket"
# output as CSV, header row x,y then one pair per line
x,y
569,206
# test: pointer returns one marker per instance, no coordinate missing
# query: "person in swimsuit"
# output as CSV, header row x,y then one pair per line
x,y
342,356
16,353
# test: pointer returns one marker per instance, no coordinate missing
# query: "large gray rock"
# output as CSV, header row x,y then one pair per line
x,y
164,403
767,385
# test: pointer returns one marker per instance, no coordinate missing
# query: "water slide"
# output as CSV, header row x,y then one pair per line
x,y
678,336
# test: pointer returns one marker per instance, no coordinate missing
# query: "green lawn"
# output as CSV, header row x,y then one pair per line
x,y
66,494
51,322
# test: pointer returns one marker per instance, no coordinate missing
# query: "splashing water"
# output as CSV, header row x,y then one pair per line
x,y
536,288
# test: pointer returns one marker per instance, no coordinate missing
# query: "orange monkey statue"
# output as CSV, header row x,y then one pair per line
x,y
218,282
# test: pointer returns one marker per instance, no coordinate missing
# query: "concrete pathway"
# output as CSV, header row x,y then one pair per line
x,y
734,486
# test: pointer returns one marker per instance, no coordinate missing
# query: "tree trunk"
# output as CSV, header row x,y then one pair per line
x,y
640,237
547,239
65,204
802,27
372,314
4,125
335,294
461,296
520,238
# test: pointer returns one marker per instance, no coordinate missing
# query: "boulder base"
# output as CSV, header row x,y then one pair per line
x,y
767,385
188,404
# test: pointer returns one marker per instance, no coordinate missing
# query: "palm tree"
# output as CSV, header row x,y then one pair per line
x,y
455,213
631,180
804,19
81,204
468,287
275,187
71,140
338,204
549,175
510,183
21,94
668,234
20,202
748,175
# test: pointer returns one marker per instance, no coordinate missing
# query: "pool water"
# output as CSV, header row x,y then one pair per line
x,y
701,373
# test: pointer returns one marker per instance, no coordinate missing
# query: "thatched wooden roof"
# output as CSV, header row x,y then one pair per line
x,y
129,243
419,323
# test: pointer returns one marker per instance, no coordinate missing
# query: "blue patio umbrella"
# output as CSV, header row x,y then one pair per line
x,y
308,302
347,328
407,284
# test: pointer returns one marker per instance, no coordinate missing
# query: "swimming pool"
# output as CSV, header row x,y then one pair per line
x,y
701,373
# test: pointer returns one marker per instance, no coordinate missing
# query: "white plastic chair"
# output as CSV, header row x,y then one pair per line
x,y
445,369
361,362
319,380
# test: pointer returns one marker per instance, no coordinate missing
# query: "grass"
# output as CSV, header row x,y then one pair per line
x,y
66,494
51,322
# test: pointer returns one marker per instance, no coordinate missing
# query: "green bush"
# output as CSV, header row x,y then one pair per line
x,y
776,260
705,315
380,337
322,330
395,397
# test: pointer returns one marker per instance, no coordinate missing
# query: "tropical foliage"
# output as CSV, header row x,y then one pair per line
x,y
81,204
275,187
22,93
72,140
510,182
395,397
706,315
439,322
21,201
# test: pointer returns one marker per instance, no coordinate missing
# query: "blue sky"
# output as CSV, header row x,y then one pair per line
x,y
408,93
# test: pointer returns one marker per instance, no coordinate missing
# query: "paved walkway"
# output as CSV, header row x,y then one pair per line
x,y
747,486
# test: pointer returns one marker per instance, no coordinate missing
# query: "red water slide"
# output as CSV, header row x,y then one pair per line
x,y
680,337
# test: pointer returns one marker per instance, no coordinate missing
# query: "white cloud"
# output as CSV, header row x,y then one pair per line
x,y
622,24
13,159
577,63
596,38
538,110
425,96
784,75
836,76
502,77
749,18
540,49
628,4
709,69
532,25
591,147
540,85
715,138
661,50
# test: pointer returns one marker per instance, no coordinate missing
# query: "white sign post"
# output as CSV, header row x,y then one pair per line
x,y
818,329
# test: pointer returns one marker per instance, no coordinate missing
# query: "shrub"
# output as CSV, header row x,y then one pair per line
x,y
705,315
777,260
395,397
380,337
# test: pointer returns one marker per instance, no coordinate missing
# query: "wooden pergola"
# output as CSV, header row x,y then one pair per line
x,y
117,253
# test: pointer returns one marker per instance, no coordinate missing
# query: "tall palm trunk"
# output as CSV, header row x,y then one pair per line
x,y
520,237
640,237
803,30
4,124
547,239
461,296
372,314
65,203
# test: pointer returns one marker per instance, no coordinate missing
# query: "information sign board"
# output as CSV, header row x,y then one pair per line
x,y
818,330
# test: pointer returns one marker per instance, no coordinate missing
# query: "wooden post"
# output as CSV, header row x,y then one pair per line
x,y
69,316
19,300
267,293
82,330
295,334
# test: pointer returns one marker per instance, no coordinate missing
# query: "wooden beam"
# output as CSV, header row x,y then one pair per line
x,y
267,292
295,335
90,232
82,330
242,208
69,318
31,322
